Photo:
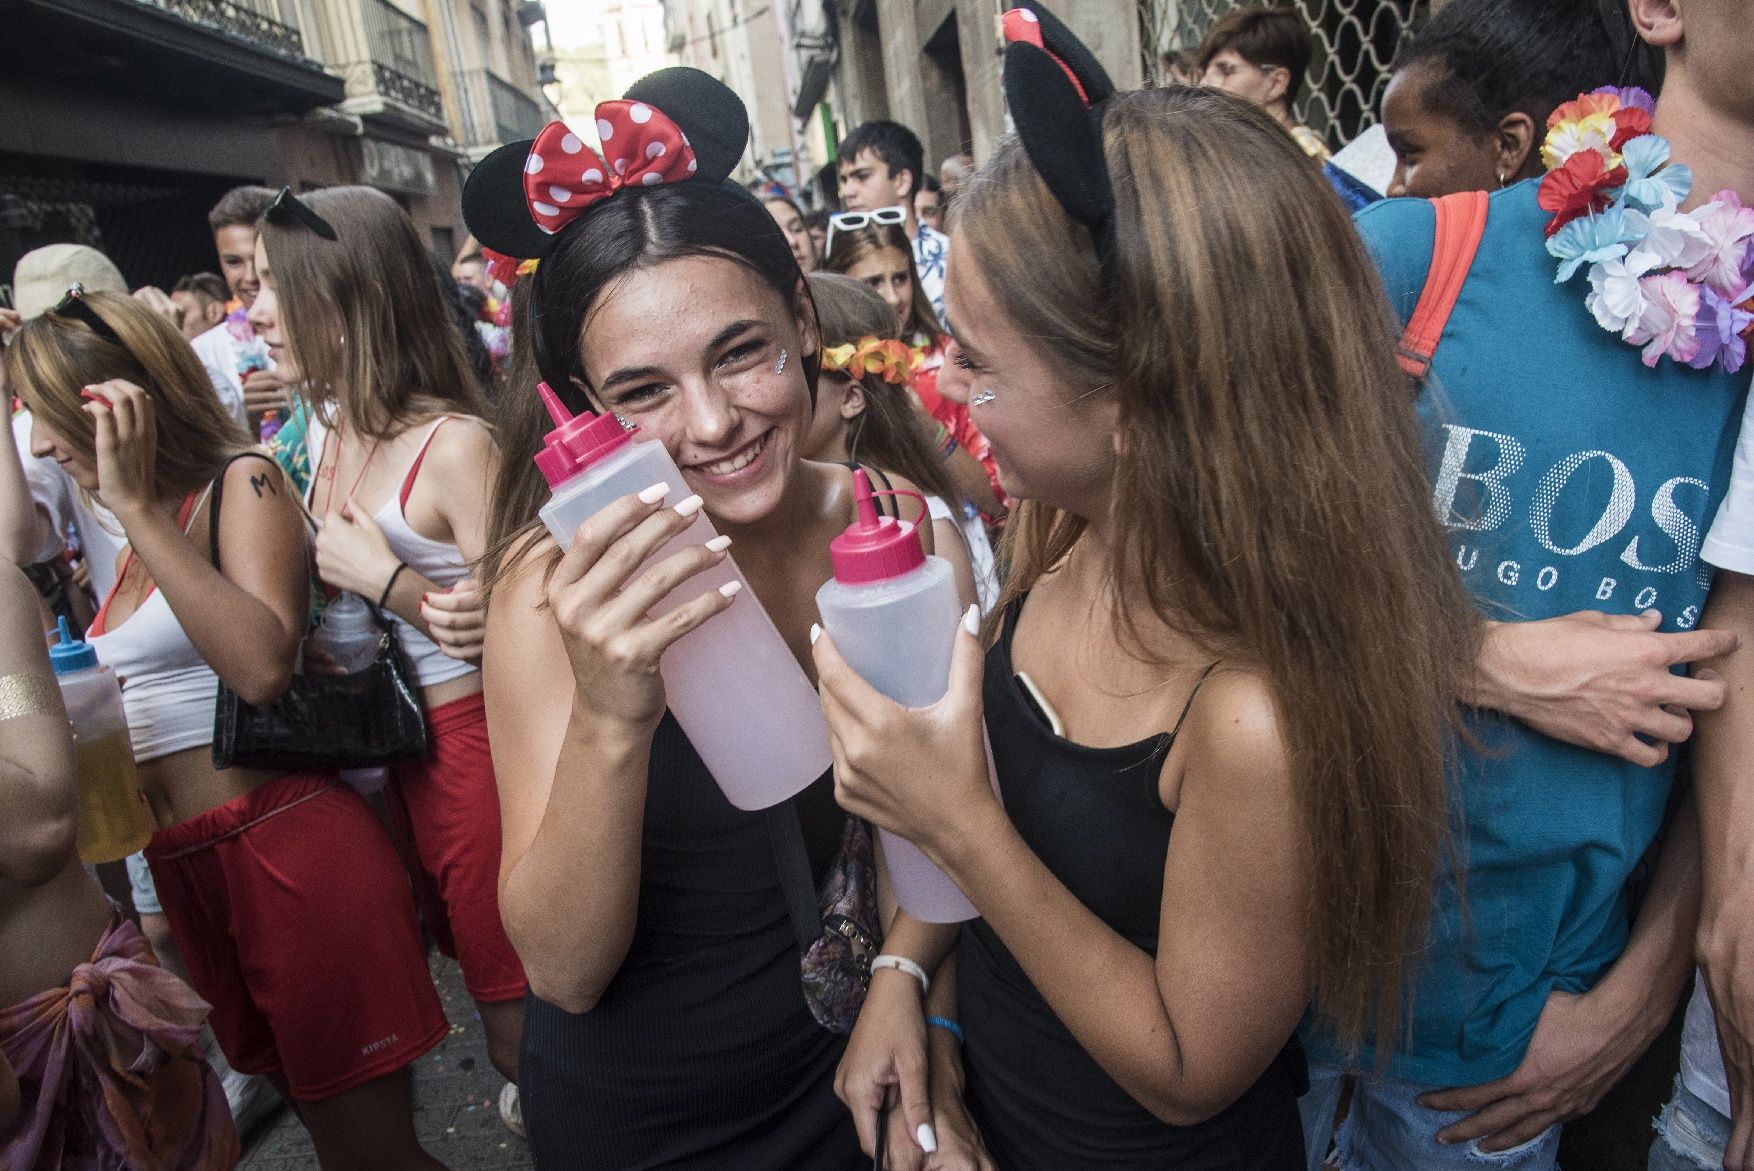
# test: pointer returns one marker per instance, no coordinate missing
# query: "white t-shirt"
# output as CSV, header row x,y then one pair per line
x,y
218,352
1728,545
53,490
980,549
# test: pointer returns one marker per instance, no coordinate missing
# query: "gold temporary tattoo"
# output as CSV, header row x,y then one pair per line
x,y
26,695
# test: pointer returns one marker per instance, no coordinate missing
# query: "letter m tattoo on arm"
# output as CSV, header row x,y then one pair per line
x,y
258,483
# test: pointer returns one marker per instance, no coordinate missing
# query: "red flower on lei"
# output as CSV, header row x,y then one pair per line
x,y
1578,188
1629,123
1582,107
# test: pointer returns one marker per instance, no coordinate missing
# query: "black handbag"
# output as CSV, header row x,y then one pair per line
x,y
366,719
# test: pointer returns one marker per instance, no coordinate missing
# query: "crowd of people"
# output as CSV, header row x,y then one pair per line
x,y
1340,755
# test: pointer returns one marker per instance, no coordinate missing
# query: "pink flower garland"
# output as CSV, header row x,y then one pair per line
x,y
1675,283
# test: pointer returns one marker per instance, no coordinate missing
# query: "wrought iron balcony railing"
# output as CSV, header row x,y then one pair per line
x,y
245,22
401,57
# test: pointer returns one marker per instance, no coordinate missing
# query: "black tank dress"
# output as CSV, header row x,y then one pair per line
x,y
1094,817
702,1052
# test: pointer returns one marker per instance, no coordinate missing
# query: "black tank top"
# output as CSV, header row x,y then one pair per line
x,y
702,1053
1094,817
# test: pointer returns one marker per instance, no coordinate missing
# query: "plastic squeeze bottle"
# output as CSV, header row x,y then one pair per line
x,y
350,636
114,820
893,613
732,683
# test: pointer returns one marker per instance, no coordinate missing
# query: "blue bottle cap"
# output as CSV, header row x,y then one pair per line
x,y
69,654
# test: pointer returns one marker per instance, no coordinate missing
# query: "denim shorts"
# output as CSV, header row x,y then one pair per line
x,y
1388,1130
1691,1135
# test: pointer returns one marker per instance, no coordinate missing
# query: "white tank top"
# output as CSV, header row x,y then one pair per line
x,y
168,690
437,561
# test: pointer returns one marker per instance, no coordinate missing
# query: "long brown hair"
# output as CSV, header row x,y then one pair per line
x,y
367,323
1271,501
852,245
52,356
892,431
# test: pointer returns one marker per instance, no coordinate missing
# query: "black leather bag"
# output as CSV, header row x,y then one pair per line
x,y
323,722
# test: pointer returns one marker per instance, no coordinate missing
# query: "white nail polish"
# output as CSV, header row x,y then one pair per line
x,y
928,1140
971,620
731,588
690,506
654,494
815,633
718,544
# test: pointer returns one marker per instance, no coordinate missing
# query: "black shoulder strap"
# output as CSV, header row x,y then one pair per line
x,y
802,903
886,505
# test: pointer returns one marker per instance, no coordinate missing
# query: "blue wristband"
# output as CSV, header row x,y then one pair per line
x,y
948,1025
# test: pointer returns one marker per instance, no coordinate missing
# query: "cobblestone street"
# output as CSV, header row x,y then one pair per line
x,y
456,1101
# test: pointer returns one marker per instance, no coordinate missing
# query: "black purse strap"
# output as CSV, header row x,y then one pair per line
x,y
802,901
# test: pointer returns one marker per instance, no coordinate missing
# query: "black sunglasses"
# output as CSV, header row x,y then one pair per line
x,y
76,307
289,208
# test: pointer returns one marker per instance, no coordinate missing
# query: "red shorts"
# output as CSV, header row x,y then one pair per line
x,y
294,919
446,808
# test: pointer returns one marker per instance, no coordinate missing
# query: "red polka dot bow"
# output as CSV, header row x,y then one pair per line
x,y
641,148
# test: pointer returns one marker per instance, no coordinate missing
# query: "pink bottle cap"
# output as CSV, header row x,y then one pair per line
x,y
576,442
875,548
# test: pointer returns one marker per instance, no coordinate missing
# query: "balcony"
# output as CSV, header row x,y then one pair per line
x,y
401,57
177,52
495,111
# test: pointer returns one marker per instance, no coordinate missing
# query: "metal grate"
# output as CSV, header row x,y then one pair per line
x,y
254,23
401,57
1356,43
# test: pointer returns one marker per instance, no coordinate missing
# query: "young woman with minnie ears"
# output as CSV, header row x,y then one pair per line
x,y
665,1026
284,893
1230,595
402,460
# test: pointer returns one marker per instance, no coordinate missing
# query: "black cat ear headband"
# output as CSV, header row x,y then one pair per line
x,y
677,125
1057,90
674,126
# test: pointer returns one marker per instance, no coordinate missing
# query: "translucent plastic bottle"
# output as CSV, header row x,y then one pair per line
x,y
350,636
892,612
732,683
113,818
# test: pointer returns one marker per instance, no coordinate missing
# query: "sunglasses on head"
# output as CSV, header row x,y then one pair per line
x,y
288,208
75,307
852,221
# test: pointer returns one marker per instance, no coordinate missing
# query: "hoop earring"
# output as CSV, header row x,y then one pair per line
x,y
779,367
1501,182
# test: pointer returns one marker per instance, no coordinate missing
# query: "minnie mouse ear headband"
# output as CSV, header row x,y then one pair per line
x,y
674,126
1057,91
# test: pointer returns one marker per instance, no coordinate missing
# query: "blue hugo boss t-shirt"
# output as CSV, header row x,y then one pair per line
x,y
1568,477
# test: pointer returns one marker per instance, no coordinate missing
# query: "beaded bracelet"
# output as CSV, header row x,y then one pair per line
x,y
948,1025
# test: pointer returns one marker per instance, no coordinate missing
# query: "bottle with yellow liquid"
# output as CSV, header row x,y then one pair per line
x,y
113,818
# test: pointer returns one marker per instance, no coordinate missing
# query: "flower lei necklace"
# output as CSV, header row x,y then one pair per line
x,y
1676,283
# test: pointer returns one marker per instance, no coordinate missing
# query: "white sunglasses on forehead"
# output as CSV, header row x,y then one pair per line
x,y
852,221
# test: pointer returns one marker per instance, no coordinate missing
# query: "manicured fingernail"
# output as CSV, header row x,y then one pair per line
x,y
654,494
815,633
731,588
690,506
971,620
718,544
928,1140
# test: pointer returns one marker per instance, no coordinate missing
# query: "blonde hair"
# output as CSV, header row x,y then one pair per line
x,y
366,319
52,356
1271,501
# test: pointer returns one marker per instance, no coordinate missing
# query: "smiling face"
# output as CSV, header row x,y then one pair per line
x,y
264,318
689,351
236,244
891,273
1051,443
48,443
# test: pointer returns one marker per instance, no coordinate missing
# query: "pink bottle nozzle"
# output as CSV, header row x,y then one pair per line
x,y
875,548
576,442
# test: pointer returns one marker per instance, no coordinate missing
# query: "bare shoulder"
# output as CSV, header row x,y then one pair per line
x,y
462,444
521,591
1235,737
254,473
